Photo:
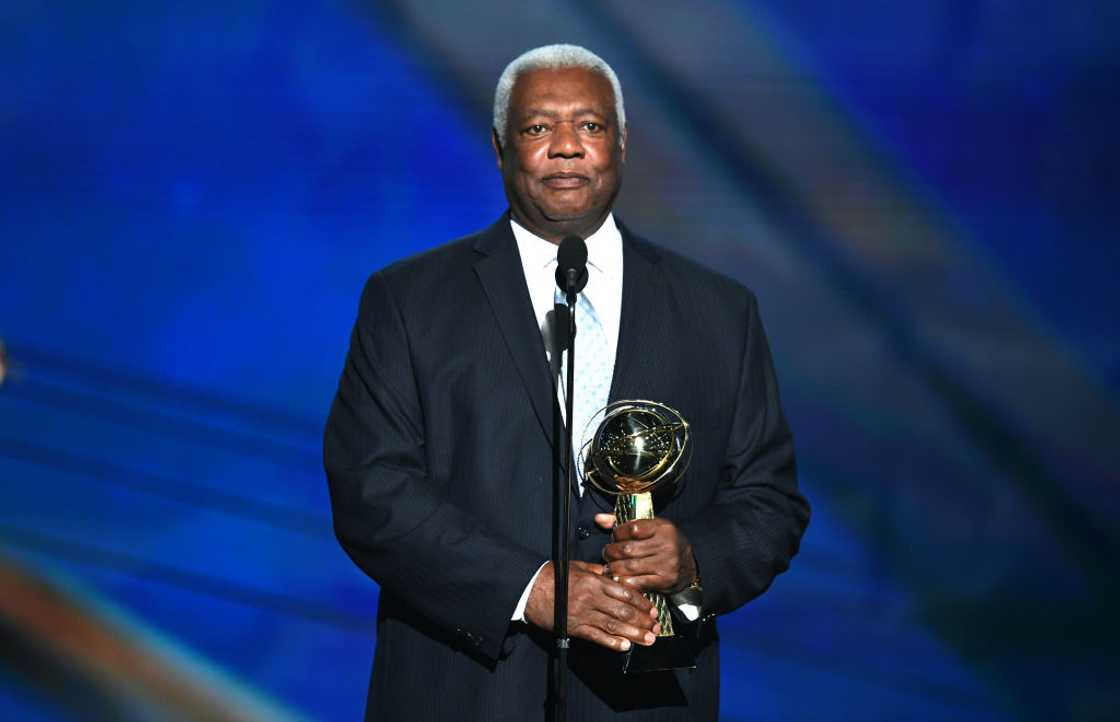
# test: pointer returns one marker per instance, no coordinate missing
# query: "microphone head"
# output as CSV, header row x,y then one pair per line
x,y
571,264
572,254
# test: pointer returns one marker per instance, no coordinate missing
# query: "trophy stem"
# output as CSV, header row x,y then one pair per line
x,y
628,507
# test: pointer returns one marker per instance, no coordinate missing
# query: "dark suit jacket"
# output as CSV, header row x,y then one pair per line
x,y
439,452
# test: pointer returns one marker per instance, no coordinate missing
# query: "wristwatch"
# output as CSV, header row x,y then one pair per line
x,y
690,600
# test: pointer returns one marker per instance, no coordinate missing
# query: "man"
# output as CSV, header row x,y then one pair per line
x,y
440,441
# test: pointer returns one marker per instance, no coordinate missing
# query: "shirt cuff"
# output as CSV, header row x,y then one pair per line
x,y
689,602
519,611
690,612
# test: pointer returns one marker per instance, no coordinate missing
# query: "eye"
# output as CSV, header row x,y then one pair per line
x,y
592,127
536,129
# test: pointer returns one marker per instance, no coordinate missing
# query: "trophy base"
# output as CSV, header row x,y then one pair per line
x,y
667,653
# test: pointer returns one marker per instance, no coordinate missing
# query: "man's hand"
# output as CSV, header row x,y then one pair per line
x,y
600,610
649,554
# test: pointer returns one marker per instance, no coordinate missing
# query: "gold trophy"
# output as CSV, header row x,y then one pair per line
x,y
639,447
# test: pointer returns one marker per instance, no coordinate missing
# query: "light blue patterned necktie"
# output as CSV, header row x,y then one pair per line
x,y
593,370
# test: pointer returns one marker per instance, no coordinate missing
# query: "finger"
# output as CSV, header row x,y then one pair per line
x,y
664,565
640,633
598,636
637,529
632,549
619,593
646,583
606,521
637,633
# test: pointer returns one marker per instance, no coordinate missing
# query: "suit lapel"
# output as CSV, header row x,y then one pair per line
x,y
502,277
644,365
641,327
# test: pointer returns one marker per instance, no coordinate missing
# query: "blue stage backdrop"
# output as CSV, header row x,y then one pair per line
x,y
923,195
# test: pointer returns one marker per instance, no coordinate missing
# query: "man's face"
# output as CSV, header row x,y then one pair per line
x,y
562,160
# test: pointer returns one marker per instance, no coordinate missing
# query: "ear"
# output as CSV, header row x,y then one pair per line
x,y
622,145
497,144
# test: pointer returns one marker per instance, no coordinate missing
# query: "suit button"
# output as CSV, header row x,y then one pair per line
x,y
583,531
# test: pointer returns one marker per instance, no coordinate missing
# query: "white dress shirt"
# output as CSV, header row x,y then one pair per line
x,y
603,290
604,282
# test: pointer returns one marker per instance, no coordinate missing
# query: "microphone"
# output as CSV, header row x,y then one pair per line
x,y
556,329
571,266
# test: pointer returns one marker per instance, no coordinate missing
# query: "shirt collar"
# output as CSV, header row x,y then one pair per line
x,y
604,248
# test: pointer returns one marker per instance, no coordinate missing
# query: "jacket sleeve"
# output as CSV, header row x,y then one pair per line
x,y
753,528
395,521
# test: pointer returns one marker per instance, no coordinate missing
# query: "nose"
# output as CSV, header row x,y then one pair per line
x,y
566,142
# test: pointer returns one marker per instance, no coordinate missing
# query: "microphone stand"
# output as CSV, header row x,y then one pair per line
x,y
571,277
564,519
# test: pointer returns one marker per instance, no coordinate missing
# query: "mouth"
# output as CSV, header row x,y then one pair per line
x,y
565,181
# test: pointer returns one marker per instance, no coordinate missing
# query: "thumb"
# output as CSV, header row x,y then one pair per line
x,y
606,521
597,569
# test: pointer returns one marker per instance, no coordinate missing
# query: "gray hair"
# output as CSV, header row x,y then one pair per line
x,y
552,57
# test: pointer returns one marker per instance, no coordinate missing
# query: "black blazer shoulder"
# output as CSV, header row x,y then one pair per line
x,y
423,281
447,258
706,287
